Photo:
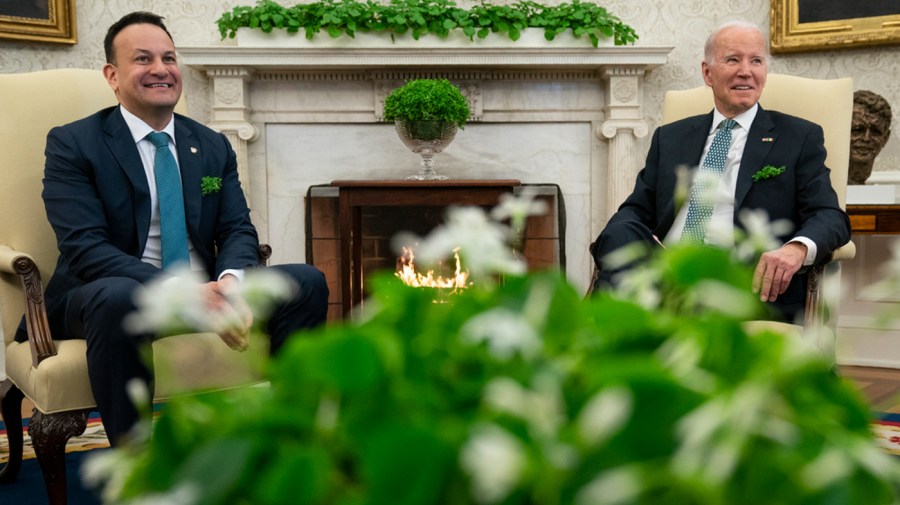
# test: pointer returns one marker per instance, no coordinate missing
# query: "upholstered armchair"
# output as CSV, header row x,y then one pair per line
x,y
829,103
52,373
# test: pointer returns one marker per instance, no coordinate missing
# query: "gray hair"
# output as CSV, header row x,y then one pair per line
x,y
709,49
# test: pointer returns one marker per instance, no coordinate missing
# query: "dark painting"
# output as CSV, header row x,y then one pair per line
x,y
815,11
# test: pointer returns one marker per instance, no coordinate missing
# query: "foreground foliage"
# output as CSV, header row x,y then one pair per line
x,y
524,393
437,17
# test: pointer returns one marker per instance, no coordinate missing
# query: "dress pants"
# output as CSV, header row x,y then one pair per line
x,y
115,356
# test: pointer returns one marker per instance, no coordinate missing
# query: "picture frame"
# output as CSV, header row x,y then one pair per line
x,y
818,25
38,20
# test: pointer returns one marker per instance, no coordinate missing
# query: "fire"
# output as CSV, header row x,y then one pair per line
x,y
406,272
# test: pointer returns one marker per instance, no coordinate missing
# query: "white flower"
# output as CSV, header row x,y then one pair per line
x,y
506,333
494,460
604,414
759,234
175,304
263,288
482,243
621,485
169,305
517,208
542,407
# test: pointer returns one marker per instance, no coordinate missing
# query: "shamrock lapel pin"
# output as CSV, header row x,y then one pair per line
x,y
768,172
209,185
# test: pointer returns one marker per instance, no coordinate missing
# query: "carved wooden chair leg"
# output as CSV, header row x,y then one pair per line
x,y
11,409
49,434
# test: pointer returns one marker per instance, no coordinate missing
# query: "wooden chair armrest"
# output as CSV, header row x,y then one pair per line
x,y
38,327
264,253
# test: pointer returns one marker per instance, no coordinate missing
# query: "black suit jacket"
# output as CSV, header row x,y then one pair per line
x,y
802,195
98,202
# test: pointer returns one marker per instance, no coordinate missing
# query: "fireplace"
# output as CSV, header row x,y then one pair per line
x,y
352,225
301,118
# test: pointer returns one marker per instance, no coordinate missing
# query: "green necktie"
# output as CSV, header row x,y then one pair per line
x,y
700,206
172,225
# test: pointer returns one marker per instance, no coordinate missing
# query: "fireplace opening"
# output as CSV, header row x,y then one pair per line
x,y
368,245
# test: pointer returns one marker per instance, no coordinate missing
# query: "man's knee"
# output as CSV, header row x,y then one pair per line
x,y
310,281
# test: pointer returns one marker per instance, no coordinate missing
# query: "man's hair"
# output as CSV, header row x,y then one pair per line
x,y
875,104
134,18
709,49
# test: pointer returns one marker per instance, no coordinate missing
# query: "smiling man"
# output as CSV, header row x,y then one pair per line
x,y
730,145
124,193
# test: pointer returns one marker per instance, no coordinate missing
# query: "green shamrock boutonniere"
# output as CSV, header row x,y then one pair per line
x,y
767,172
210,185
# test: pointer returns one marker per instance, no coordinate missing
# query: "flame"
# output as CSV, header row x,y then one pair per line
x,y
406,272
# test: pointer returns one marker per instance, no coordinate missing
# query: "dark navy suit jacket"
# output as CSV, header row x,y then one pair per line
x,y
98,202
802,195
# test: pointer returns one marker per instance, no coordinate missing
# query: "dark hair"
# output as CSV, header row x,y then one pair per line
x,y
134,18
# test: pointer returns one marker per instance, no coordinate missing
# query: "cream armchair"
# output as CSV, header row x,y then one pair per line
x,y
52,373
828,103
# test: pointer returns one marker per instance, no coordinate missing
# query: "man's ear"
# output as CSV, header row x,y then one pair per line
x,y
112,76
704,71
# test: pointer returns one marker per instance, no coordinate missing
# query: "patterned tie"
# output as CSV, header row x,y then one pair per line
x,y
700,207
172,227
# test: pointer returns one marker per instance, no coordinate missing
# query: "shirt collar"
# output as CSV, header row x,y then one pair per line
x,y
139,129
745,119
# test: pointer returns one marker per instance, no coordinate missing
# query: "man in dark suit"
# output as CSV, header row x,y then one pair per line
x,y
735,66
101,198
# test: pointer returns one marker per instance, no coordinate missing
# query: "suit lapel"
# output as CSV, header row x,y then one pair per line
x,y
760,139
189,161
122,146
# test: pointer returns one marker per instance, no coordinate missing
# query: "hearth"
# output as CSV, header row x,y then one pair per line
x,y
352,225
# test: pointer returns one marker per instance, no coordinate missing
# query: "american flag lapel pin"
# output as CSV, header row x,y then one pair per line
x,y
768,139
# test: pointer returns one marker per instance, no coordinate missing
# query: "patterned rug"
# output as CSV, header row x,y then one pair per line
x,y
887,432
94,437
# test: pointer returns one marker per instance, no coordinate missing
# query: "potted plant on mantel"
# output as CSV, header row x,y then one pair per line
x,y
442,18
426,114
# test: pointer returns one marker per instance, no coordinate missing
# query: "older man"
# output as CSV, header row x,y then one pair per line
x,y
731,144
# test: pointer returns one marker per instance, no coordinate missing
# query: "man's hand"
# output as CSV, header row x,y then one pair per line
x,y
223,299
776,269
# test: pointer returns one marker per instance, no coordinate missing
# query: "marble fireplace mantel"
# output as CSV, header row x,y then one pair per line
x,y
300,117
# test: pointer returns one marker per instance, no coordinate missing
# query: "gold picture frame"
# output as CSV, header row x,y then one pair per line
x,y
816,25
38,20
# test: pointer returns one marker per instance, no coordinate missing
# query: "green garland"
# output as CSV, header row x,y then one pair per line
x,y
438,17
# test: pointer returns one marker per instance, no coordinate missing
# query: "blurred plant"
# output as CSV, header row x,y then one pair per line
x,y
523,392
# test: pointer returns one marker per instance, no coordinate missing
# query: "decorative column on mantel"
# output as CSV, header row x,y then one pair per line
x,y
624,124
231,114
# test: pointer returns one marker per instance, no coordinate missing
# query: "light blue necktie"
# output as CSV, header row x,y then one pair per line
x,y
172,226
700,207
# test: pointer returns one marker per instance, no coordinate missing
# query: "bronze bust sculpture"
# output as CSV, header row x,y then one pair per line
x,y
869,133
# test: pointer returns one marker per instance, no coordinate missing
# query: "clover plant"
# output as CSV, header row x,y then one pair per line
x,y
427,100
